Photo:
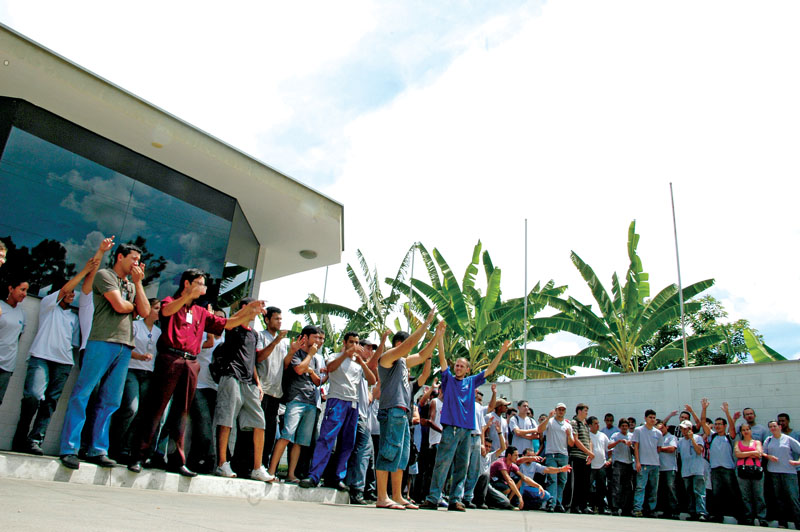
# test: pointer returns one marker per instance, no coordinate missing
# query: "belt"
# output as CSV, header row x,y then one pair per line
x,y
184,354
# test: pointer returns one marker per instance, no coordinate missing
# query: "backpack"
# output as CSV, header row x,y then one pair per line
x,y
220,362
707,448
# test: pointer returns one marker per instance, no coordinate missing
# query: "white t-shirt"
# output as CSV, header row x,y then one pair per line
x,y
344,381
480,418
204,379
522,423
486,461
85,314
58,332
556,436
490,419
599,448
434,437
12,323
270,371
144,341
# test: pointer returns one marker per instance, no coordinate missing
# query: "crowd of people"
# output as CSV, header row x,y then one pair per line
x,y
356,419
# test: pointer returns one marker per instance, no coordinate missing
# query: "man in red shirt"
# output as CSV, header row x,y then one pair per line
x,y
175,374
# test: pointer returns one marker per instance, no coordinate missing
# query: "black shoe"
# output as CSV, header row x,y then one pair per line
x,y
551,509
28,447
357,499
308,483
428,505
183,471
702,518
341,486
70,460
156,462
370,496
470,505
135,467
560,509
575,510
763,522
456,507
101,460
483,507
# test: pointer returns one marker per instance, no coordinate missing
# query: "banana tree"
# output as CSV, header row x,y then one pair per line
x,y
760,351
627,317
478,322
375,308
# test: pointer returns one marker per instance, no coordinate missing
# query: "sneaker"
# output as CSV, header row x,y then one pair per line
x,y
262,475
456,507
471,505
428,505
225,471
637,513
70,460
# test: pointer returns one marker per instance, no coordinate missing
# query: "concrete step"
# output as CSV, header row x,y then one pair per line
x,y
27,467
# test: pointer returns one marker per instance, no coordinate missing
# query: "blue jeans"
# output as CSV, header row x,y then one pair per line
x,y
474,467
666,483
454,448
753,504
44,382
359,461
340,417
785,491
556,482
104,363
5,376
646,480
696,490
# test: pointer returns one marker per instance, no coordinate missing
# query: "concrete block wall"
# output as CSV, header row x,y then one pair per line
x,y
769,388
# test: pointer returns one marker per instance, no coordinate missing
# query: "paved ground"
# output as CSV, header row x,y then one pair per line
x,y
43,505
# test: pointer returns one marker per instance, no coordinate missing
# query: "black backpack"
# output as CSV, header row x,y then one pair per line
x,y
220,362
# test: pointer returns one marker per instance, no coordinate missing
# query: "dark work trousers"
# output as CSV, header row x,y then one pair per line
x,y
576,494
667,492
270,406
175,378
598,487
622,499
203,453
725,493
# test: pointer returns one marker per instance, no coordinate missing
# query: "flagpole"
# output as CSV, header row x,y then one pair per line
x,y
680,286
410,280
325,286
525,319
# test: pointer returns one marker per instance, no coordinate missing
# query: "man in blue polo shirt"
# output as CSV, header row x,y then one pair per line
x,y
458,422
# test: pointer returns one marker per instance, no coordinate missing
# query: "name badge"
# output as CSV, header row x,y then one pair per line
x,y
188,317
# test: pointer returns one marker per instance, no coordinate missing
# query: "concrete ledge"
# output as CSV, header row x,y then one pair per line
x,y
27,467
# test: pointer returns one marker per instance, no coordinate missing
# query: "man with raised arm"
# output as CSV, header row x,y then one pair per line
x,y
393,414
175,375
458,422
105,362
724,486
345,372
51,359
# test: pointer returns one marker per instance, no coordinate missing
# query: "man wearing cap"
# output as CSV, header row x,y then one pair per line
x,y
690,449
458,422
558,438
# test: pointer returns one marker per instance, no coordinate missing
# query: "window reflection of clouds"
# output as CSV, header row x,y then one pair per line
x,y
71,199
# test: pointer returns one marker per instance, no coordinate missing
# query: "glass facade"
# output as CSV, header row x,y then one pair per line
x,y
65,188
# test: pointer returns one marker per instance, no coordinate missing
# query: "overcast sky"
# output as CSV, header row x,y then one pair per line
x,y
449,122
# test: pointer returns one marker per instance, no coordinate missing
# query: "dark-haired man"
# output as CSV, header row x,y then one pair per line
x,y
301,381
175,375
393,414
507,478
12,323
646,440
117,301
51,360
272,349
724,486
345,372
458,422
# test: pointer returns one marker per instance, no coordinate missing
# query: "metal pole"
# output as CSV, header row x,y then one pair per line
x,y
525,319
325,286
680,286
410,279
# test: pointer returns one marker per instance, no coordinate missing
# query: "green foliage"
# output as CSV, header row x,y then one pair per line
x,y
760,351
628,318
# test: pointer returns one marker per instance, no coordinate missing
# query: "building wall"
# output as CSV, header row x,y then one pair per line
x,y
768,388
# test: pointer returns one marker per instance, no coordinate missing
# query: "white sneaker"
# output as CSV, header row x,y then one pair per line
x,y
225,471
261,474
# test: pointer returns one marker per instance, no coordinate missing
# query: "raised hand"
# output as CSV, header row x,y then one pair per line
x,y
725,407
106,244
705,402
494,387
282,334
92,264
300,344
431,315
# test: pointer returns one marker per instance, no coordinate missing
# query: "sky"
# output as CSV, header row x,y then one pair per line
x,y
450,122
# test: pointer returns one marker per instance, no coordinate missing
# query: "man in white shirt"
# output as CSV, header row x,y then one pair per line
x,y
600,466
272,350
50,362
558,437
12,323
523,428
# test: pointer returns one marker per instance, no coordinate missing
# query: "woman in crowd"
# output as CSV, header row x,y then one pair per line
x,y
750,476
779,450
